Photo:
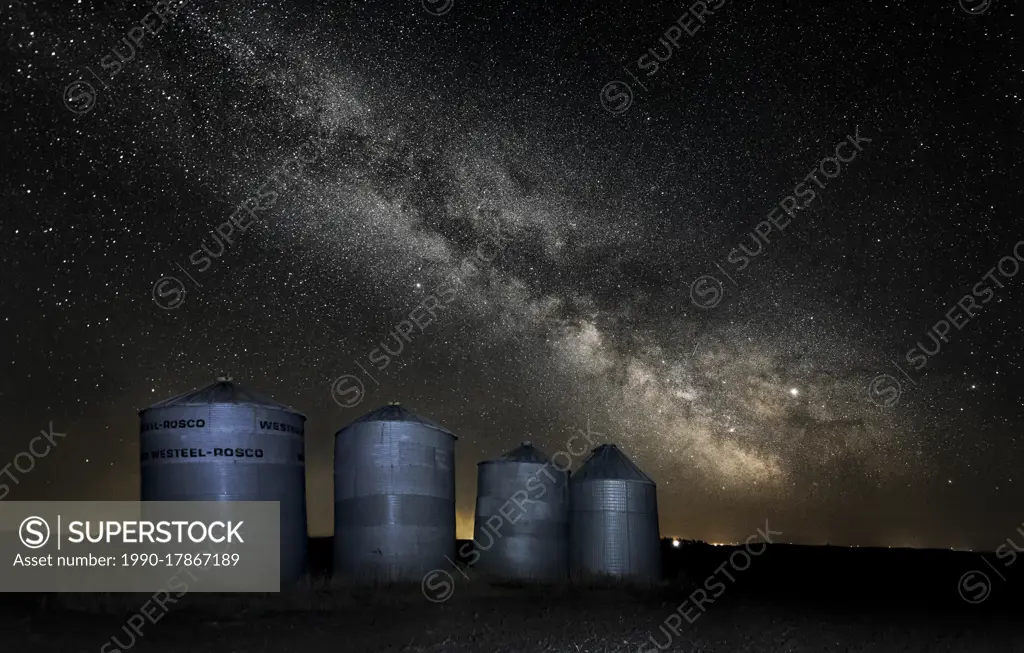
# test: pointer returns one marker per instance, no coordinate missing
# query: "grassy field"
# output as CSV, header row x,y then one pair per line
x,y
479,616
793,600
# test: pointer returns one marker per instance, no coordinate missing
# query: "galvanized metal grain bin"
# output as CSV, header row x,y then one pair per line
x,y
394,497
613,519
225,443
521,530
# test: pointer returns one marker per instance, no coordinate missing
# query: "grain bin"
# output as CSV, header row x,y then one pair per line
x,y
394,497
613,519
225,443
521,530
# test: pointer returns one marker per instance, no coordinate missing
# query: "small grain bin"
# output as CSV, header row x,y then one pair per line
x,y
521,530
394,497
223,442
613,519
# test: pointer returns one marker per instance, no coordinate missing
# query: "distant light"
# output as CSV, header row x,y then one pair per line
x,y
675,543
794,391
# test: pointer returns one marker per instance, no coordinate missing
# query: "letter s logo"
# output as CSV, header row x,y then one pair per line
x,y
706,291
169,293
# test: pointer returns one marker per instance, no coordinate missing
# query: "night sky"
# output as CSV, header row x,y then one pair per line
x,y
575,215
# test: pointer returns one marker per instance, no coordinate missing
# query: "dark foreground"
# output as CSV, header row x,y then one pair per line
x,y
610,621
792,599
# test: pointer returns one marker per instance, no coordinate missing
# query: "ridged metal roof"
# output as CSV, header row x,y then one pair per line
x,y
394,412
223,390
608,462
524,453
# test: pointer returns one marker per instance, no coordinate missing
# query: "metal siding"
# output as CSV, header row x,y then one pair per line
x,y
530,542
394,493
613,529
278,476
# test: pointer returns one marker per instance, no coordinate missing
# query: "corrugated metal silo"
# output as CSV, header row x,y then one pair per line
x,y
613,519
521,530
394,497
225,443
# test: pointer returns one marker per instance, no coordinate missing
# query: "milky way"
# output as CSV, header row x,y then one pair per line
x,y
430,139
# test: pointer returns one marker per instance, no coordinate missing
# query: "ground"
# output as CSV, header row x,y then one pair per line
x,y
481,617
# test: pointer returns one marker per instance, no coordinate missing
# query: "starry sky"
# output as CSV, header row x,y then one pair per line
x,y
588,195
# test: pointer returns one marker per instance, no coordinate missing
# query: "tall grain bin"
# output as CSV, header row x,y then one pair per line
x,y
394,497
521,531
613,519
225,443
